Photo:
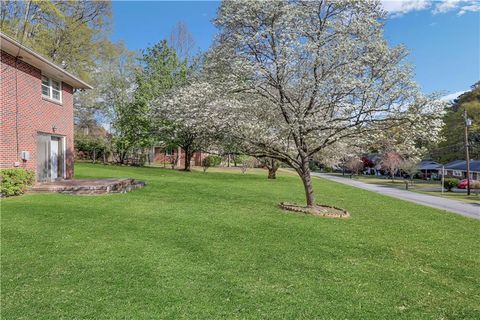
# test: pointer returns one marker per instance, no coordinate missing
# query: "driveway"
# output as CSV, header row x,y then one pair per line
x,y
471,210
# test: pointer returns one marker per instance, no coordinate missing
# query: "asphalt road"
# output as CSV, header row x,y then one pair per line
x,y
471,210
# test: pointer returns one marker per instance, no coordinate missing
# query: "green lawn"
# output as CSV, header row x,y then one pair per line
x,y
474,197
432,188
215,245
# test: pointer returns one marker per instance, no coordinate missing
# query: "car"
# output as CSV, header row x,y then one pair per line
x,y
463,184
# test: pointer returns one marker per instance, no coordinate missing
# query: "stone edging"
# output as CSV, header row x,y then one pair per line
x,y
301,209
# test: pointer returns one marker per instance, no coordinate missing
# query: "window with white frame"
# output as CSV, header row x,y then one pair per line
x,y
51,89
457,173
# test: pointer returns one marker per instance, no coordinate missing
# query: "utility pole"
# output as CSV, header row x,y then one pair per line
x,y
443,177
468,122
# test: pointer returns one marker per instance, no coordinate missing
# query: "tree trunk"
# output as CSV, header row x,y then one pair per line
x,y
272,166
272,173
307,184
188,158
121,157
306,177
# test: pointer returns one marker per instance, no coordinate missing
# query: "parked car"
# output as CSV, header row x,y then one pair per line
x,y
463,183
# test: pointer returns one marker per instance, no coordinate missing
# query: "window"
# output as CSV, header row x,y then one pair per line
x,y
45,86
51,89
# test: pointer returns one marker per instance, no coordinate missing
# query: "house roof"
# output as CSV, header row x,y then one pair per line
x,y
461,165
454,162
429,165
374,157
29,56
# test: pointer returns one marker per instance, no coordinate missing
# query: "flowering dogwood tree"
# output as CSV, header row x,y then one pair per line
x,y
308,74
391,161
355,165
189,118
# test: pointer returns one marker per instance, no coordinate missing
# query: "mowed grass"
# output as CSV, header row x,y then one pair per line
x,y
215,245
422,186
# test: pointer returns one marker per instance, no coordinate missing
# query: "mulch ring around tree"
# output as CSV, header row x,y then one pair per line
x,y
317,210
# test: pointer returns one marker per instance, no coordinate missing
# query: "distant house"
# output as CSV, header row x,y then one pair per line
x,y
36,112
429,169
458,168
371,163
175,156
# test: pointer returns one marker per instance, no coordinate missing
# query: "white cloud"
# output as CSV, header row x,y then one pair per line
x,y
445,6
400,7
471,8
452,96
397,8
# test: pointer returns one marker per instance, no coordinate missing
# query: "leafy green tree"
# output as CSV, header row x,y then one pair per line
x,y
113,102
160,71
72,34
90,146
69,33
132,131
453,145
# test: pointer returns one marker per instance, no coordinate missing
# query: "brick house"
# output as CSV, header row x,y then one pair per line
x,y
177,155
36,119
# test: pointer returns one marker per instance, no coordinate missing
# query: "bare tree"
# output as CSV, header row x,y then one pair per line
x,y
182,41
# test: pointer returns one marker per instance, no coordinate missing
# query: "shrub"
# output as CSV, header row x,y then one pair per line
x,y
475,185
14,182
89,147
240,159
450,183
211,161
313,165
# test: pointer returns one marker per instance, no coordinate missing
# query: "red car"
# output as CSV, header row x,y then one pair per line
x,y
463,184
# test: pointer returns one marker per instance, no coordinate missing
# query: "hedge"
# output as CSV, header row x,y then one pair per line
x,y
14,182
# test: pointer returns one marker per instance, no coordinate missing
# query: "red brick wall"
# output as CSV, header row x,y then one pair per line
x,y
159,156
35,114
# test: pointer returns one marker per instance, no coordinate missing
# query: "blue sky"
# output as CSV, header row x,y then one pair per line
x,y
443,37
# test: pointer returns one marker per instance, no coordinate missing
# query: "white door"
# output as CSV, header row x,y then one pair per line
x,y
54,159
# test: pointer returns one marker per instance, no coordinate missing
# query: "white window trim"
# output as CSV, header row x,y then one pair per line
x,y
457,173
50,89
